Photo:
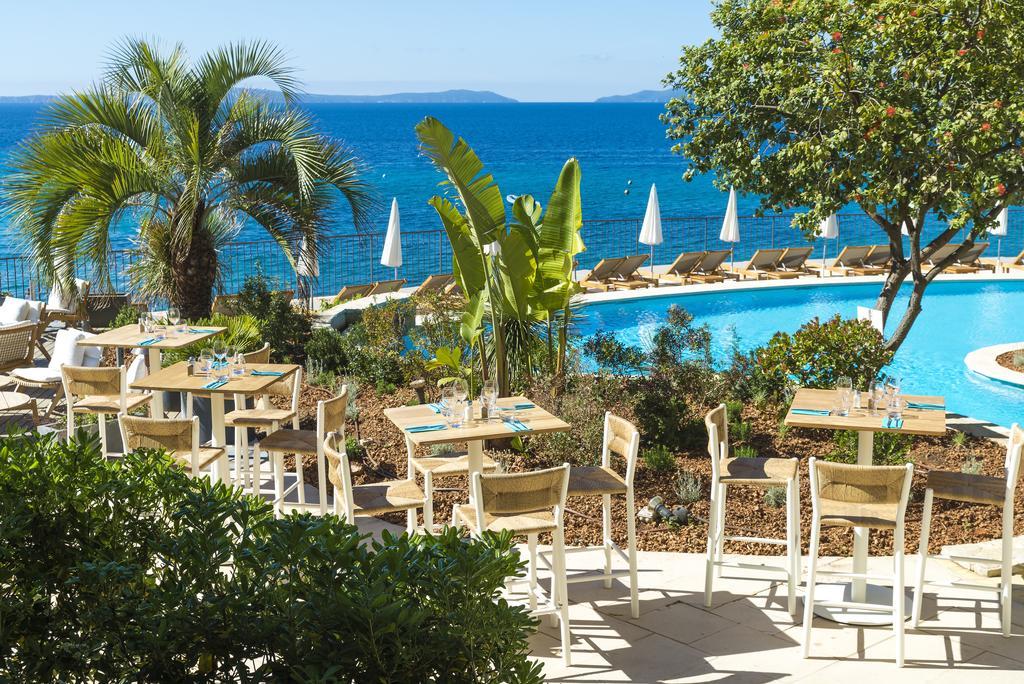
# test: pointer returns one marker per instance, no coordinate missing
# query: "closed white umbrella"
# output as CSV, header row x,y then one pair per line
x,y
308,264
731,224
828,229
999,230
650,232
392,255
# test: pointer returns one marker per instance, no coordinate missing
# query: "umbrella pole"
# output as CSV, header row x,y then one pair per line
x,y
824,255
396,273
652,261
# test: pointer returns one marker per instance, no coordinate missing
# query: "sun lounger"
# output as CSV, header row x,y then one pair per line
x,y
765,264
709,270
972,258
684,264
626,275
794,258
615,273
851,262
1017,263
943,253
879,257
434,283
350,292
386,286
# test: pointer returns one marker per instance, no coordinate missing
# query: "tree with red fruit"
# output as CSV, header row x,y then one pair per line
x,y
919,113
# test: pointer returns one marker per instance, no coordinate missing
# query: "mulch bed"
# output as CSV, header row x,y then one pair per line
x,y
1006,360
747,512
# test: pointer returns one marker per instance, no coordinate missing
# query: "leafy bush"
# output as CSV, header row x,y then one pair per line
x,y
890,448
612,355
327,347
582,404
775,497
658,458
689,488
243,332
286,328
745,451
972,466
818,354
141,573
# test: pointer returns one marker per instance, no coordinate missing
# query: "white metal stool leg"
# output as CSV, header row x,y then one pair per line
x,y
606,533
300,478
709,566
531,541
634,591
720,545
792,546
898,594
562,597
278,459
105,449
812,572
428,505
922,556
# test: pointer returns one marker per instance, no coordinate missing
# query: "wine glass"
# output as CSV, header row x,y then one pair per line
x,y
489,393
220,352
174,318
844,387
205,361
239,367
448,405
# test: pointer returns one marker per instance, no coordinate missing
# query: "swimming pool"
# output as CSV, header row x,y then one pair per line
x,y
957,317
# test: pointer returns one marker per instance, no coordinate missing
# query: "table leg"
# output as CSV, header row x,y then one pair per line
x,y
861,536
217,419
157,405
476,465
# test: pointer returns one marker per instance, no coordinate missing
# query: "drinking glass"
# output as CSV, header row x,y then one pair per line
x,y
895,410
239,367
448,405
174,318
489,394
220,353
147,322
844,388
876,395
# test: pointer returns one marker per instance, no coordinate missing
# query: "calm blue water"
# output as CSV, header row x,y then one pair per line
x,y
958,317
523,145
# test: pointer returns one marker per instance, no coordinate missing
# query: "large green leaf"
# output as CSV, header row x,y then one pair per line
x,y
559,241
517,267
478,193
467,261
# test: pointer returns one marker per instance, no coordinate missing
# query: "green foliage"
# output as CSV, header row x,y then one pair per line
x,y
658,458
745,451
327,348
890,448
688,487
128,315
183,151
612,355
285,327
959,440
972,465
818,354
775,497
141,573
354,449
442,449
449,360
242,332
582,405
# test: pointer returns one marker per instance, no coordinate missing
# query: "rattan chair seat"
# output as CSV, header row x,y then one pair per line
x,y
968,487
110,404
520,523
758,471
846,514
290,441
595,481
207,455
387,497
455,464
258,417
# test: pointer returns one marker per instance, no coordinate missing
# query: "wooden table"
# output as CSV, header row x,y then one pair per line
x,y
929,422
176,379
475,433
16,401
129,337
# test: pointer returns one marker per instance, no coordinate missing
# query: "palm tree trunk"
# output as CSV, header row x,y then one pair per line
x,y
195,272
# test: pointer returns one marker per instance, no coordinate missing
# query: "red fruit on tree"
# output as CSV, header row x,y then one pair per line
x,y
890,111
837,35
961,52
1001,189
986,126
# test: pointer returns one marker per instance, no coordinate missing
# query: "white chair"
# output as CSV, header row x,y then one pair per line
x,y
979,489
751,472
179,438
865,497
526,504
376,498
67,307
621,439
330,417
66,352
100,392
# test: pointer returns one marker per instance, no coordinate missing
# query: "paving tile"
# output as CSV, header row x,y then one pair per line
x,y
684,623
744,640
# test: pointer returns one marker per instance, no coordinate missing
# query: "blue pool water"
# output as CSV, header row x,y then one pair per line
x,y
958,317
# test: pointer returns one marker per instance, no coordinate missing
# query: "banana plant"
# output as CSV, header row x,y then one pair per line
x,y
517,273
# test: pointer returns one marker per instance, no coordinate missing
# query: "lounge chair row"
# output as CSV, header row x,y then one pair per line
x,y
438,282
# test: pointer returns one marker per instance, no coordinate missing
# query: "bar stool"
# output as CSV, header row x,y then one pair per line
x,y
526,504
100,392
752,472
455,463
179,438
330,417
982,489
265,417
372,499
871,497
622,439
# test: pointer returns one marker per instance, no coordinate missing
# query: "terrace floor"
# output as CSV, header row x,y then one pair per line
x,y
747,636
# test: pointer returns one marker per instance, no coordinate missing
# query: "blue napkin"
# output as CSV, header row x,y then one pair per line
x,y
810,412
516,425
892,423
435,407
925,406
426,428
275,374
201,331
146,343
215,384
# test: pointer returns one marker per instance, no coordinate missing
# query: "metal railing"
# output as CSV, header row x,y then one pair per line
x,y
355,258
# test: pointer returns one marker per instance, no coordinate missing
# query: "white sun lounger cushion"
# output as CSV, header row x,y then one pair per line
x,y
12,311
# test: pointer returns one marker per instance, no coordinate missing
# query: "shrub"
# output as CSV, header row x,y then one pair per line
x,y
689,488
286,328
243,332
745,451
612,355
775,497
121,577
972,466
658,458
582,405
326,346
818,354
890,448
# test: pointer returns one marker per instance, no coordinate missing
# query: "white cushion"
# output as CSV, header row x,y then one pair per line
x,y
91,355
12,311
34,310
58,301
66,350
136,370
40,374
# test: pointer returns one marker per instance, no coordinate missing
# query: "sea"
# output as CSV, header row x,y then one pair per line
x,y
622,149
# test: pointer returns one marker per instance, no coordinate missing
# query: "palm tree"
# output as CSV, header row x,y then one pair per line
x,y
180,150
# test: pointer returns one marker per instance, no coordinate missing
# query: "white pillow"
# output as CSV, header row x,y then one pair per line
x,y
91,355
12,311
65,302
34,310
136,369
66,350
37,374
55,302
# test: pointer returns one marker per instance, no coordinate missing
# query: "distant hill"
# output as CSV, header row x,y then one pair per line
x,y
442,97
643,96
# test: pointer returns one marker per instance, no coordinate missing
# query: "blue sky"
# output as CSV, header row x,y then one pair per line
x,y
559,50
